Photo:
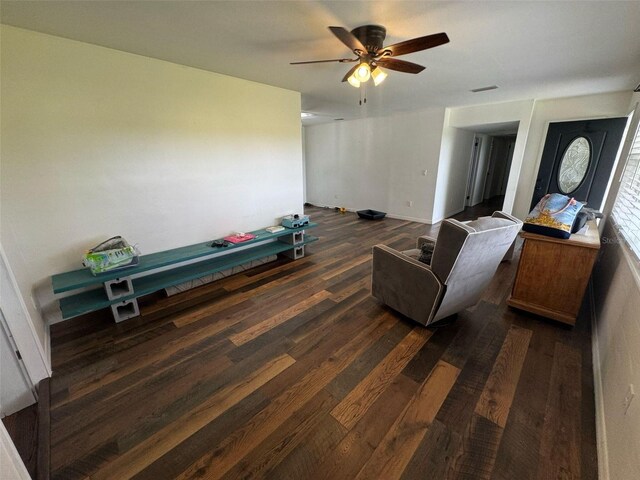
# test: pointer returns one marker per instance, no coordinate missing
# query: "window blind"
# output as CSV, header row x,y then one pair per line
x,y
626,209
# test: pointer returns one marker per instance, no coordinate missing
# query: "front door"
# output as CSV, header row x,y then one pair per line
x,y
578,158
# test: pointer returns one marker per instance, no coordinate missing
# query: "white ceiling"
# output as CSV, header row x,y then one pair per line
x,y
530,49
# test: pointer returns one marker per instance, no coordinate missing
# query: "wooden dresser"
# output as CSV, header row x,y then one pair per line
x,y
553,274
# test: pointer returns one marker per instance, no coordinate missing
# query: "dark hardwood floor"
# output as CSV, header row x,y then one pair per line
x,y
22,427
487,207
293,371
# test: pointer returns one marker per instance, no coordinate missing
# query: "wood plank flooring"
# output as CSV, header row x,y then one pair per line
x,y
22,427
293,371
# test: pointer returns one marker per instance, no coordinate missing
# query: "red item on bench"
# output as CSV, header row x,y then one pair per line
x,y
240,238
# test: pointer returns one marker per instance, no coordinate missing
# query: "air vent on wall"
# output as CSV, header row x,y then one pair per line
x,y
484,89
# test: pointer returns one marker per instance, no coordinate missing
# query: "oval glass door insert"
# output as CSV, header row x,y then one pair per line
x,y
574,165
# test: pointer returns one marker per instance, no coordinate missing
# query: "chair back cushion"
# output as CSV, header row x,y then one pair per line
x,y
467,255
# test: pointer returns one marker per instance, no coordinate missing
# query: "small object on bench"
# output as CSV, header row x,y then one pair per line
x,y
112,254
274,229
239,237
219,243
295,221
371,214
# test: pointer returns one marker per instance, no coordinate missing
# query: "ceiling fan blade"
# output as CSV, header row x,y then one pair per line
x,y
399,65
341,60
350,72
414,45
349,39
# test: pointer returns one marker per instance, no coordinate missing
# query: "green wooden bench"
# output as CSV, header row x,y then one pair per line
x,y
120,289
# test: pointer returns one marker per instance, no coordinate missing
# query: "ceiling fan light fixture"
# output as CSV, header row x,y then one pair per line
x,y
378,76
353,81
363,72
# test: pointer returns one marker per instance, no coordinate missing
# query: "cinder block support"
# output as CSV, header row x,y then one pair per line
x,y
125,310
118,288
295,253
293,239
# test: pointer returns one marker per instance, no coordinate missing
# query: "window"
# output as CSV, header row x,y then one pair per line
x,y
626,209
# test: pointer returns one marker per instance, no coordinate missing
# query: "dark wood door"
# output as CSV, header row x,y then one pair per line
x,y
578,158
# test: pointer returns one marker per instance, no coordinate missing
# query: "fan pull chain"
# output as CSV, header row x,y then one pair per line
x,y
363,94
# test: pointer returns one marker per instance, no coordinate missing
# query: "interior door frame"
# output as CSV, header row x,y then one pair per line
x,y
618,169
20,326
511,145
25,393
472,175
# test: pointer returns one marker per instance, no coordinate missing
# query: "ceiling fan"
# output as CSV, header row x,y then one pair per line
x,y
366,43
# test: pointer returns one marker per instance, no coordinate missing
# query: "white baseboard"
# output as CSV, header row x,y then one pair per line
x,y
601,428
390,215
409,219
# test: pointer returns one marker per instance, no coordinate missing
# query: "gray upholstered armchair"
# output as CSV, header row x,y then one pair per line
x,y
465,258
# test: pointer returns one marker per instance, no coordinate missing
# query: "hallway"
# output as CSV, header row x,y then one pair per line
x,y
486,208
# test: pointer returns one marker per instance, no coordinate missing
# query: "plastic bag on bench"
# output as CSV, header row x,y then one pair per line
x,y
112,254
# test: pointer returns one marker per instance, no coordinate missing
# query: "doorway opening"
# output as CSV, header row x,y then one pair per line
x,y
489,168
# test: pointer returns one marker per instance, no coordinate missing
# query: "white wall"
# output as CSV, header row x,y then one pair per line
x,y
376,163
616,342
371,163
97,142
617,303
453,172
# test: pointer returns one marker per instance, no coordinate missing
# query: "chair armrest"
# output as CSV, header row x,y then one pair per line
x,y
500,214
509,255
405,284
424,239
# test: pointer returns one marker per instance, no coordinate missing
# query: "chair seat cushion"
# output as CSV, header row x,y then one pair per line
x,y
488,223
